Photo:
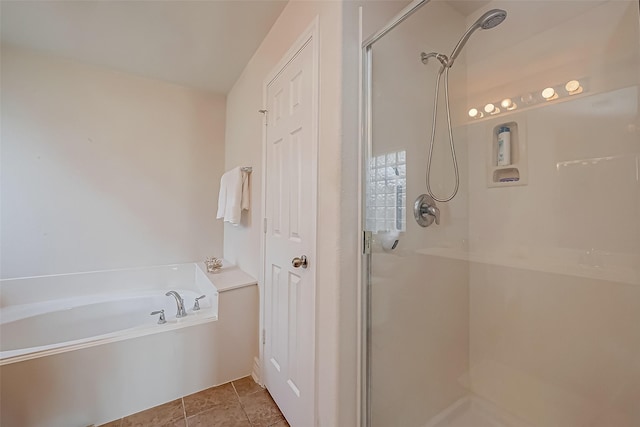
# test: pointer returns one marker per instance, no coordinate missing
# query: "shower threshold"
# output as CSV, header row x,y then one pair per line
x,y
474,411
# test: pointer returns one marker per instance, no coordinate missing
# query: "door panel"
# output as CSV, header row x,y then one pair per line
x,y
290,233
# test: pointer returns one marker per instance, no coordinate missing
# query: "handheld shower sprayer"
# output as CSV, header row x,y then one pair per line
x,y
487,21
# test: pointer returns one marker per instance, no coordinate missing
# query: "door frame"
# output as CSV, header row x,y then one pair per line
x,y
308,37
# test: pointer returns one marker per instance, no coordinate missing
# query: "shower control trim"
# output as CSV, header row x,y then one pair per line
x,y
425,211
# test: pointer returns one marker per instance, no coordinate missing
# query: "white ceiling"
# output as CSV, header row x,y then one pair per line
x,y
203,44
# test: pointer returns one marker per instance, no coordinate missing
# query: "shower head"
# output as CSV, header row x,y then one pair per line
x,y
488,20
491,19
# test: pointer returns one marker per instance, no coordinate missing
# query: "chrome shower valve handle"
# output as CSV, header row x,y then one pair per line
x,y
425,211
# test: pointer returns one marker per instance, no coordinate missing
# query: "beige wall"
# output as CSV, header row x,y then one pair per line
x,y
104,170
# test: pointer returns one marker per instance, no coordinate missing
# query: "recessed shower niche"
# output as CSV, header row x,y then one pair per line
x,y
512,170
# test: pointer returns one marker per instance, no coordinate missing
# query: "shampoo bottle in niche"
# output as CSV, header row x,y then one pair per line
x,y
504,146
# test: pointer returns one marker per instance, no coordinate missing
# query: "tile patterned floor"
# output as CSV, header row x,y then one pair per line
x,y
240,403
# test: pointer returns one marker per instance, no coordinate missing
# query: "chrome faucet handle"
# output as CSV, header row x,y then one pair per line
x,y
196,305
434,211
161,319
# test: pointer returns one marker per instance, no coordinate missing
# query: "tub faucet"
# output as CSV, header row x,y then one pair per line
x,y
181,311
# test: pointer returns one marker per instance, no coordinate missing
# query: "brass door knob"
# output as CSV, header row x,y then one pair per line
x,y
300,262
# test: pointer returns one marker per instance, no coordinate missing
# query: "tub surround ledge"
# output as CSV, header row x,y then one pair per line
x,y
231,277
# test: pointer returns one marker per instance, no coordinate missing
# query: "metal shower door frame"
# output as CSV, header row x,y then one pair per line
x,y
365,152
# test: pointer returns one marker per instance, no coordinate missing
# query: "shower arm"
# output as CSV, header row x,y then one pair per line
x,y
444,60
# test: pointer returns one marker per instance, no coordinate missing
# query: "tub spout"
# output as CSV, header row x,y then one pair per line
x,y
180,302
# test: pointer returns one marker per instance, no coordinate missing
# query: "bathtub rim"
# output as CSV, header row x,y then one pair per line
x,y
122,335
106,270
208,314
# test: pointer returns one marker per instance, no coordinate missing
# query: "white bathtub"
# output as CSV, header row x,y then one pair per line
x,y
81,349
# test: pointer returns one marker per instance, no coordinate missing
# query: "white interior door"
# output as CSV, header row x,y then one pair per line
x,y
290,195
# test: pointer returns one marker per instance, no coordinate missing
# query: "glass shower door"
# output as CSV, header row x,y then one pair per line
x,y
419,298
522,307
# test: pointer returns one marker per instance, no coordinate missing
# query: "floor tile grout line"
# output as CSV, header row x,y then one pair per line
x,y
241,405
184,412
206,408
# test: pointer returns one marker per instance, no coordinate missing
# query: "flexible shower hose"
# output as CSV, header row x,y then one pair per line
x,y
444,69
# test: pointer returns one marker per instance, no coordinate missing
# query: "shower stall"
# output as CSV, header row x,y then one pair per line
x,y
501,215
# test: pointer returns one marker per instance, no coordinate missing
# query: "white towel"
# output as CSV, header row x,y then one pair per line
x,y
234,195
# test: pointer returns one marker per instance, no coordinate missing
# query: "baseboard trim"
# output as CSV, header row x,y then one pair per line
x,y
255,374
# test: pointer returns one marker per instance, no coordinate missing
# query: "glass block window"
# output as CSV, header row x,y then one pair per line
x,y
386,192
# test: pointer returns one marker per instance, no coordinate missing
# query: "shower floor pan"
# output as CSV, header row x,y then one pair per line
x,y
473,411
